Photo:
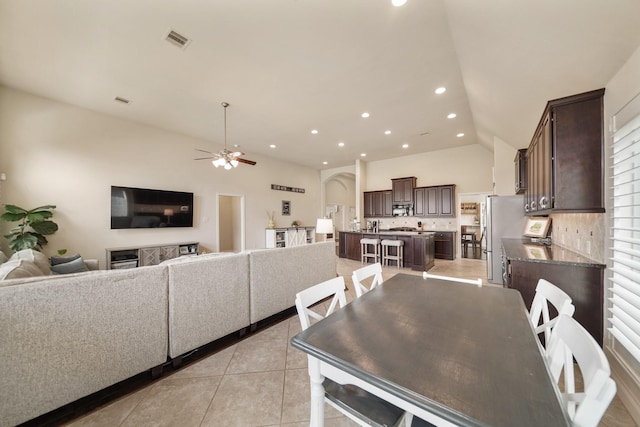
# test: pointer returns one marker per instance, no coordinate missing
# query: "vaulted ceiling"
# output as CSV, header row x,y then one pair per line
x,y
287,67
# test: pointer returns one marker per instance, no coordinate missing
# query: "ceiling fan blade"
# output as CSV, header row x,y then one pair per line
x,y
249,162
204,151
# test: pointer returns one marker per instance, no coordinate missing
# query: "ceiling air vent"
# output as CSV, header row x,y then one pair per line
x,y
177,39
122,100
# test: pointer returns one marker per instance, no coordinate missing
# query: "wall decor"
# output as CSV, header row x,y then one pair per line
x,y
537,227
285,188
286,207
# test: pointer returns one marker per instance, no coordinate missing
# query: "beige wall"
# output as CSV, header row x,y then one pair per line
x,y
54,153
504,169
468,167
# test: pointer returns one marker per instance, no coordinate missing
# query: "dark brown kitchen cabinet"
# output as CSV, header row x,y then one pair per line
x,y
387,197
583,283
444,244
565,157
435,201
402,189
423,252
521,170
377,204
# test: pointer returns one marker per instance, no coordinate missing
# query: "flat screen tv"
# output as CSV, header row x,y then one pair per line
x,y
146,208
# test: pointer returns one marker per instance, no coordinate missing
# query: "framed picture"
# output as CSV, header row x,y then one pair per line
x,y
537,227
286,207
536,252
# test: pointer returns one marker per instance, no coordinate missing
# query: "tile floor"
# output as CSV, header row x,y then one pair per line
x,y
258,381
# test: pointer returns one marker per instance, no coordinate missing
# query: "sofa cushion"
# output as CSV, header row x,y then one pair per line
x,y
19,268
75,266
38,258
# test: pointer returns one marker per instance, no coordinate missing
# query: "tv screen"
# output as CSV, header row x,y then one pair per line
x,y
146,208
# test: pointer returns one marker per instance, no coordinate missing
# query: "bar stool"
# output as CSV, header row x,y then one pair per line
x,y
387,256
364,249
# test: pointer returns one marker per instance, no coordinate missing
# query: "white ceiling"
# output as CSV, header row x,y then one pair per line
x,y
289,66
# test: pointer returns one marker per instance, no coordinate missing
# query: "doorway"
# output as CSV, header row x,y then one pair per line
x,y
230,220
472,225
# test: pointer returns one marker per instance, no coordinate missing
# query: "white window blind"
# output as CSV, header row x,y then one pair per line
x,y
624,280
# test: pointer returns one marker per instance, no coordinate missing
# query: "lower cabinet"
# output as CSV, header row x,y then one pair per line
x,y
445,244
418,250
118,258
584,284
288,237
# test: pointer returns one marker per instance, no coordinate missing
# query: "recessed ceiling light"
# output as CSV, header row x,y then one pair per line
x,y
451,116
460,135
236,145
405,145
272,146
325,163
398,3
363,154
314,131
365,115
387,132
441,90
340,144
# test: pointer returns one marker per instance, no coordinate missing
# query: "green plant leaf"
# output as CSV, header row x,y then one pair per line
x,y
36,217
26,241
12,217
45,227
15,209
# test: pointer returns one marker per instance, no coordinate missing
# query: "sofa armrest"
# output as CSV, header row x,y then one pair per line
x,y
92,264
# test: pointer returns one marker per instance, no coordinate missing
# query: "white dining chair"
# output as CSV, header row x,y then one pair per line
x,y
357,404
546,294
570,340
477,282
359,276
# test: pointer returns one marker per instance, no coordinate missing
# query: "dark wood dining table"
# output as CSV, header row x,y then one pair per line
x,y
450,353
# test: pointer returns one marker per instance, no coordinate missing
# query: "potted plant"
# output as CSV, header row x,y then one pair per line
x,y
33,226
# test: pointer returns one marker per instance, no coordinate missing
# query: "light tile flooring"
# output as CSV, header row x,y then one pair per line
x,y
259,381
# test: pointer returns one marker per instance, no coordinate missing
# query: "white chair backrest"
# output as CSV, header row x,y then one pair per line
x,y
477,282
547,293
308,297
373,270
568,341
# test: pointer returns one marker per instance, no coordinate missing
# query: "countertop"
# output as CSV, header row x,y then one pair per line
x,y
405,233
526,250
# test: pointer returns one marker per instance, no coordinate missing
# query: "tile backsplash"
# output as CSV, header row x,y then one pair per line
x,y
412,221
583,233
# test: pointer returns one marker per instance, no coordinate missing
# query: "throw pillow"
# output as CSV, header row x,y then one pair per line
x,y
38,258
75,266
18,268
55,260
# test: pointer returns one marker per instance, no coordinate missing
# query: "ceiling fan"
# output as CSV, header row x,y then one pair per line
x,y
225,158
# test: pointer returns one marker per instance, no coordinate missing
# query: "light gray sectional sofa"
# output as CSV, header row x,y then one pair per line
x,y
67,336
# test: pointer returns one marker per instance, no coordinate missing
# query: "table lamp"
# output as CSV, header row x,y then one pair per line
x,y
324,226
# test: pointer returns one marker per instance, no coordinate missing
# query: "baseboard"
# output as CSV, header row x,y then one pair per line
x,y
627,383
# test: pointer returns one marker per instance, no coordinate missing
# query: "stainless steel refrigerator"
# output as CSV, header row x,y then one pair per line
x,y
505,219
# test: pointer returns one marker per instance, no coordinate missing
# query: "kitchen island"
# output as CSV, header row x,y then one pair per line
x,y
418,252
525,261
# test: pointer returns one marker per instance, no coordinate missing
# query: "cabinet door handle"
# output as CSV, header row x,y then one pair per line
x,y
543,202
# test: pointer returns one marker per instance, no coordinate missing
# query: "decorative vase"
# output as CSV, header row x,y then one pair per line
x,y
272,224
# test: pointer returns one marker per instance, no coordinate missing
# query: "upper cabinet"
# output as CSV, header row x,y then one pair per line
x,y
564,161
378,204
521,171
402,189
435,201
